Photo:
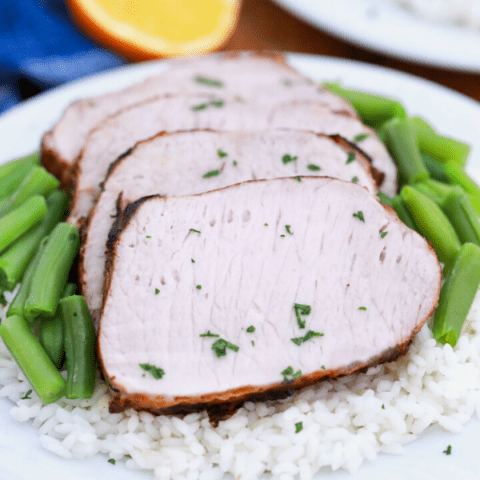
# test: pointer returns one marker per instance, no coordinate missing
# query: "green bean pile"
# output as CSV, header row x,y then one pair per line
x,y
48,326
46,323
437,199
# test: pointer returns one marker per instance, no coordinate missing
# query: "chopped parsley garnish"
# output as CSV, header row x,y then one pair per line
x,y
355,179
156,372
209,82
289,376
251,329
298,179
211,173
313,167
234,163
27,395
282,236
198,287
362,308
239,99
157,291
448,451
196,231
112,461
350,158
221,345
265,224
323,367
288,158
193,261
149,236
310,334
253,343
200,106
383,406
360,216
383,234
301,310
221,153
209,334
287,82
298,427
287,228
360,137
213,103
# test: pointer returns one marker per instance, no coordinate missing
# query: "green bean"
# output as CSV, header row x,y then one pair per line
x,y
462,216
475,201
403,213
432,224
8,168
17,307
14,224
457,176
50,333
440,182
422,187
13,180
50,276
402,144
79,337
434,167
14,261
457,294
37,182
442,148
385,199
32,359
373,109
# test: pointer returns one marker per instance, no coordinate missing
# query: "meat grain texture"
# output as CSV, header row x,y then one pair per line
x,y
249,76
176,164
263,247
189,112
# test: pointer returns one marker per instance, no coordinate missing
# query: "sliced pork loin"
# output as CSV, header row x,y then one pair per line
x,y
195,162
173,113
222,297
247,75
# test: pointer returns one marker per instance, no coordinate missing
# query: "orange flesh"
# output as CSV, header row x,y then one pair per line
x,y
175,21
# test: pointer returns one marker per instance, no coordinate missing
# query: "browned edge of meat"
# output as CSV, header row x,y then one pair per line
x,y
221,406
84,222
55,164
378,176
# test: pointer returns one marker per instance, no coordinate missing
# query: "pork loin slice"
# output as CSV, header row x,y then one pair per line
x,y
173,113
184,270
247,75
176,164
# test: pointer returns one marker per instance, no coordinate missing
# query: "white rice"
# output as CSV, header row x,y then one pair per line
x,y
459,12
345,421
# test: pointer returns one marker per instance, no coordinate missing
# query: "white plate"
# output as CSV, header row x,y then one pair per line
x,y
386,28
22,457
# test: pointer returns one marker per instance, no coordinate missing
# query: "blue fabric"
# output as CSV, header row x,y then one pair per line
x,y
39,43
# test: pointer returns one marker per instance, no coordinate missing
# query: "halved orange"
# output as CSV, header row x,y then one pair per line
x,y
146,29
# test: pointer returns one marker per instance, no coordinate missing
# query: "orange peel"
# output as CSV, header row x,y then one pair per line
x,y
146,29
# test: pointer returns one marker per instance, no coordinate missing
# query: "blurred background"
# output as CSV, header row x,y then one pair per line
x,y
42,47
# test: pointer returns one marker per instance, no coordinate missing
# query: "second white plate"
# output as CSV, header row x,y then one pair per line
x,y
383,27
